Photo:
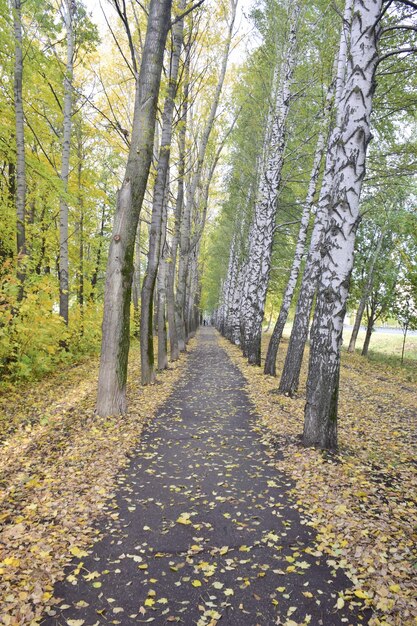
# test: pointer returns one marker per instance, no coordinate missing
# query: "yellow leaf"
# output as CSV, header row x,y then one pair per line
x,y
359,593
340,603
77,552
149,602
11,561
196,583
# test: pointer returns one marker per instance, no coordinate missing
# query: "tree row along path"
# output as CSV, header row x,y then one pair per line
x,y
203,529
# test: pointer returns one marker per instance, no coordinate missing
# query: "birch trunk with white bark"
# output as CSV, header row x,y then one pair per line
x,y
111,398
70,8
320,418
271,357
291,372
262,232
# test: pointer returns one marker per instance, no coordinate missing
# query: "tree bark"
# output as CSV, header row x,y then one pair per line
x,y
94,277
155,235
111,398
181,224
365,295
320,418
161,288
291,372
262,231
136,281
80,156
271,357
405,331
70,8
368,334
191,204
19,175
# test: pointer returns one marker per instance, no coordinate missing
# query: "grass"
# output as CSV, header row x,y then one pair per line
x,y
385,349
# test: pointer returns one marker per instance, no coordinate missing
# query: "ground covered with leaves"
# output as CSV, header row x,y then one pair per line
x,y
362,500
58,465
203,530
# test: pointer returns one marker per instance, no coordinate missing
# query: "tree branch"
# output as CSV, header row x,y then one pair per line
x,y
180,17
116,41
409,3
394,52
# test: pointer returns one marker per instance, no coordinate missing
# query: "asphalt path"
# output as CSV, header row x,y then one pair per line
x,y
204,531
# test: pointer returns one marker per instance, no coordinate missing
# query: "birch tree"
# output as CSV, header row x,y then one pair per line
x,y
271,357
68,13
299,333
20,177
320,422
262,231
111,398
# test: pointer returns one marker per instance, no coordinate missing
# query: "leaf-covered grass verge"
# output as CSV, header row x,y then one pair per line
x,y
362,500
58,466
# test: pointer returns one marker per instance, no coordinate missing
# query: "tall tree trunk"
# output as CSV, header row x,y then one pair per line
x,y
405,331
291,372
70,8
365,294
161,288
262,232
368,335
271,357
94,277
146,322
320,418
372,317
180,242
171,266
80,224
19,176
136,281
111,398
191,204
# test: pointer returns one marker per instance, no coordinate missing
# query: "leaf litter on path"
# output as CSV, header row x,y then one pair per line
x,y
361,501
58,470
203,529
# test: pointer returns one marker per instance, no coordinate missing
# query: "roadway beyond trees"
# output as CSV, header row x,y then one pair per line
x,y
204,530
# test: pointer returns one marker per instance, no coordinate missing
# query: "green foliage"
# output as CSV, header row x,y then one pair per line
x,y
32,333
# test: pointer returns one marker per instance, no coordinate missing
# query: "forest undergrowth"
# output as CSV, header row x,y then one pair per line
x,y
58,464
362,499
